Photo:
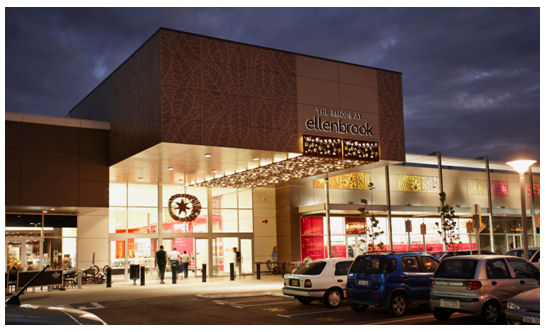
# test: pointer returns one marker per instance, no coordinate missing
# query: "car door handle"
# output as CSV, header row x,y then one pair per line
x,y
340,280
522,282
494,283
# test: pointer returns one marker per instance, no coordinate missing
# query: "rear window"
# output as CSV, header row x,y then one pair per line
x,y
520,252
311,268
456,269
342,268
373,265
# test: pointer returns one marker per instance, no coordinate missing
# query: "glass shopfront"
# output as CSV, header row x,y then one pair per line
x,y
221,219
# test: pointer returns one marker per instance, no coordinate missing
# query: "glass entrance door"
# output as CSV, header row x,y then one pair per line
x,y
513,241
355,245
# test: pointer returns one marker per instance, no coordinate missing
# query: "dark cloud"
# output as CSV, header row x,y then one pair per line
x,y
470,75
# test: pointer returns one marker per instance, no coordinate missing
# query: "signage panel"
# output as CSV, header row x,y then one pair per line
x,y
47,278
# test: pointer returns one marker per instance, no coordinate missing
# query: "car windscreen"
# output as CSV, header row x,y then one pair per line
x,y
456,269
311,268
373,265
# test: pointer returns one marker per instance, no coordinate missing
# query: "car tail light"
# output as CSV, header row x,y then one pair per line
x,y
431,284
473,285
307,283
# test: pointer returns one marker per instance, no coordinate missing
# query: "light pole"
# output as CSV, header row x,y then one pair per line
x,y
521,166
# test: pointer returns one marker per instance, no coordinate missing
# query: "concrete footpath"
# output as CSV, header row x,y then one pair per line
x,y
213,288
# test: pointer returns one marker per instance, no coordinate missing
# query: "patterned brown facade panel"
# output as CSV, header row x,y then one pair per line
x,y
94,193
392,143
13,191
219,51
390,93
136,103
221,134
180,44
282,140
228,109
178,130
181,103
52,192
271,60
180,71
49,138
281,114
273,85
226,78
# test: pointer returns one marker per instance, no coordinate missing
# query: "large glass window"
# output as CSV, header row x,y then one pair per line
x,y
142,220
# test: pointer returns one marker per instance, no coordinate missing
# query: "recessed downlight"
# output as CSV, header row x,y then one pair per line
x,y
180,180
207,155
170,168
214,171
256,159
52,209
140,178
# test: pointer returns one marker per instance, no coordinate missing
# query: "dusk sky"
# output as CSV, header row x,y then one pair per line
x,y
470,75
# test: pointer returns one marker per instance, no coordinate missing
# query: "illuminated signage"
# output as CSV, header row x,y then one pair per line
x,y
340,148
186,204
321,122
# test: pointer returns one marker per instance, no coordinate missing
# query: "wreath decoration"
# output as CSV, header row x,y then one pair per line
x,y
183,207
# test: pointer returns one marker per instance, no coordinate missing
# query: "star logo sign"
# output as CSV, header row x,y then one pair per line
x,y
182,207
183,204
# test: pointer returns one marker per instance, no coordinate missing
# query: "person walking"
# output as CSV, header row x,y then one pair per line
x,y
185,259
237,260
161,262
174,257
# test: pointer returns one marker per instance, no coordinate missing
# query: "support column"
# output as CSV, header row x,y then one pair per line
x,y
209,229
523,215
440,175
533,216
327,190
389,214
490,203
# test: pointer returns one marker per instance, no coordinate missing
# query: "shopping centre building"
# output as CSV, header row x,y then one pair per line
x,y
208,145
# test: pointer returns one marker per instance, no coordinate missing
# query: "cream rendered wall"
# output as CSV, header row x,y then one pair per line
x,y
92,237
265,233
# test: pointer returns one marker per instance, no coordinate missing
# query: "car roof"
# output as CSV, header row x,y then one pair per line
x,y
521,249
396,253
480,257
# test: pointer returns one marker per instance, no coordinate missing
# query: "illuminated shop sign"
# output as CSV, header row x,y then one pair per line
x,y
322,122
340,148
185,204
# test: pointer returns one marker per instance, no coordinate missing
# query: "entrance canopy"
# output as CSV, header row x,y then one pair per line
x,y
198,165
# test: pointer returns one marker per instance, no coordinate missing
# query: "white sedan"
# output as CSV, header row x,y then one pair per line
x,y
322,279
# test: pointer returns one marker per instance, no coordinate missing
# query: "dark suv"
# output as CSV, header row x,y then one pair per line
x,y
390,279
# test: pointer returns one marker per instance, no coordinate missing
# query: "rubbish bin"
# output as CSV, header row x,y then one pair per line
x,y
134,272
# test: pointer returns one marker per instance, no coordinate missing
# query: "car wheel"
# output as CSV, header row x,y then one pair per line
x,y
491,312
357,307
442,314
398,305
304,300
333,298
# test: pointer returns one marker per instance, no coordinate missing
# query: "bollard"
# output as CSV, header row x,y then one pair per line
x,y
79,279
283,268
186,268
108,277
204,273
258,272
142,277
173,271
231,271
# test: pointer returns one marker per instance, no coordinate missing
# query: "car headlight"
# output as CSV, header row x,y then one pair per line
x,y
512,305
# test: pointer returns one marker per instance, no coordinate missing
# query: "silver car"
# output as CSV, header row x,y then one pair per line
x,y
524,308
480,285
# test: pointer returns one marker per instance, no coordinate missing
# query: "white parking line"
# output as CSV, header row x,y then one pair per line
x,y
312,313
259,304
255,300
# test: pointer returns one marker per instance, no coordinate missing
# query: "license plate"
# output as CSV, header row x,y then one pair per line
x,y
294,282
363,282
531,319
449,304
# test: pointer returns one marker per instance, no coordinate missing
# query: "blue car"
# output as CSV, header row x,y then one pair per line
x,y
390,279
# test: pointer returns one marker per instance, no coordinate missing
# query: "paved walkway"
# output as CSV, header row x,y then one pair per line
x,y
215,287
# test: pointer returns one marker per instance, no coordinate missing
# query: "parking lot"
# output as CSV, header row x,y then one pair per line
x,y
290,311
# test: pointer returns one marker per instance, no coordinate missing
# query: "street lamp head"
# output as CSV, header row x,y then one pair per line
x,y
521,165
